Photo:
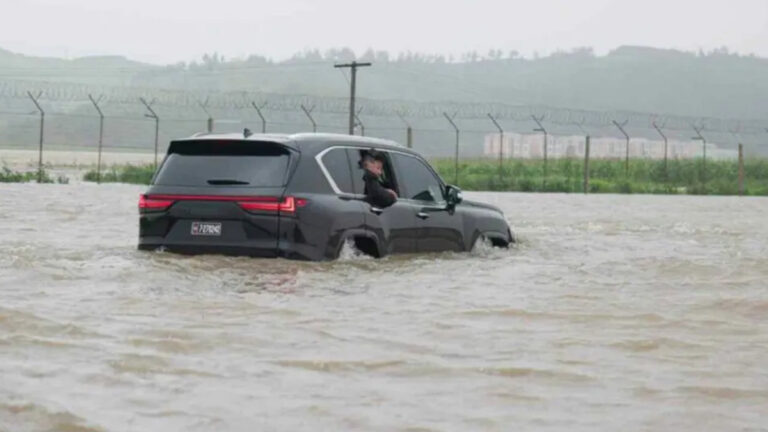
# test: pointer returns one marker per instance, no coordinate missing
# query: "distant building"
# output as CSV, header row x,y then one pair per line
x,y
531,146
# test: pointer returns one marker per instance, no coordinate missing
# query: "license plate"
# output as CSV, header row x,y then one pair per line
x,y
206,228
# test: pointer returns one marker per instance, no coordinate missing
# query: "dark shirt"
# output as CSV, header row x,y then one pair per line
x,y
375,192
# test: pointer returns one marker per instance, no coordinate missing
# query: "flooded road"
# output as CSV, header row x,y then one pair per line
x,y
614,313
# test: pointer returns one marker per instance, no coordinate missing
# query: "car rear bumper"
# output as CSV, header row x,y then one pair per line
x,y
301,252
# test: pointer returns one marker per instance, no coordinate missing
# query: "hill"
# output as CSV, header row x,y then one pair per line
x,y
715,84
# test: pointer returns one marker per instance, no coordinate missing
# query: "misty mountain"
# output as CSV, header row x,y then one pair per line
x,y
715,84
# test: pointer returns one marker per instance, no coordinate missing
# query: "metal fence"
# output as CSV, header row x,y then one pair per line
x,y
101,120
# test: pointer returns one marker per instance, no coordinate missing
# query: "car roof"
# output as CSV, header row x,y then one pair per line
x,y
302,140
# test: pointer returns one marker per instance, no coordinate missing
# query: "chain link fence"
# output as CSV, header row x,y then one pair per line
x,y
478,146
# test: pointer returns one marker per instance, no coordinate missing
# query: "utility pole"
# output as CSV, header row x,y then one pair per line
x,y
626,135
666,143
42,128
456,155
95,103
352,89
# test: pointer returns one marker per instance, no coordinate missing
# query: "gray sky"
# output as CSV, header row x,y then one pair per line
x,y
164,31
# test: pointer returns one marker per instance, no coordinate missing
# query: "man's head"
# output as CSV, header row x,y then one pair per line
x,y
373,162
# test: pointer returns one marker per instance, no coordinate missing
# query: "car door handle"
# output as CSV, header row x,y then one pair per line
x,y
422,215
376,210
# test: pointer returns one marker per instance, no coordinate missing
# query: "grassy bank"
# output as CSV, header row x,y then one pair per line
x,y
565,175
9,176
134,174
609,176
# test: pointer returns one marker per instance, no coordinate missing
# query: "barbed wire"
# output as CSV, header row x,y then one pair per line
x,y
58,93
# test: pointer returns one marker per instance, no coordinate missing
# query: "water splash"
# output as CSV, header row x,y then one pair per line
x,y
351,253
483,247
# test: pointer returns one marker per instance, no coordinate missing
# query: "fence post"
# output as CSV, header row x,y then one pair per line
x,y
666,142
544,131
587,139
586,166
408,130
360,122
409,137
700,137
741,169
153,115
95,103
308,113
626,135
42,129
501,146
261,116
209,121
456,150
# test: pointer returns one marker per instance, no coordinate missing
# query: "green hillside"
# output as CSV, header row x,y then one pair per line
x,y
715,84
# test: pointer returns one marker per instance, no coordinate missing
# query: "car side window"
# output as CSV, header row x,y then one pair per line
x,y
337,163
418,181
358,186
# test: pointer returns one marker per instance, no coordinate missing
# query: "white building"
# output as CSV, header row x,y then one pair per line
x,y
531,146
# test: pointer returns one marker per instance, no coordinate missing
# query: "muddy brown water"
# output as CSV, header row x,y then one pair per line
x,y
614,313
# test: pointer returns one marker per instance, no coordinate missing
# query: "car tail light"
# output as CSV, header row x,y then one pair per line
x,y
268,204
147,203
248,203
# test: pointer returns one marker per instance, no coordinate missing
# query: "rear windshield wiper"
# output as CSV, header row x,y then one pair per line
x,y
226,182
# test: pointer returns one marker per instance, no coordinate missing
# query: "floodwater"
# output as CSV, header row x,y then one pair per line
x,y
613,313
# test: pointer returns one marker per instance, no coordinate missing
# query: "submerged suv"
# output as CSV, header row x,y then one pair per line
x,y
302,197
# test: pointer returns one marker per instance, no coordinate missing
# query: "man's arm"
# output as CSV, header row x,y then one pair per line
x,y
376,193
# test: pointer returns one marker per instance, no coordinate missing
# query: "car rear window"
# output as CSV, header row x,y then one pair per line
x,y
225,163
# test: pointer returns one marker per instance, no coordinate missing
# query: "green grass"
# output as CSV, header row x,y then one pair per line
x,y
9,176
609,176
134,174
565,175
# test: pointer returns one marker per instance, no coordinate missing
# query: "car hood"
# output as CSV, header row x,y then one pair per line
x,y
469,203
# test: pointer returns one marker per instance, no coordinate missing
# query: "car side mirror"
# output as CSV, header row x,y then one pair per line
x,y
453,196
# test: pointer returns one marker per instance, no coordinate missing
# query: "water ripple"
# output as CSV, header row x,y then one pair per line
x,y
611,313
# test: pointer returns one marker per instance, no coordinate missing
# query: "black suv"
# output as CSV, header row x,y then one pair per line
x,y
302,196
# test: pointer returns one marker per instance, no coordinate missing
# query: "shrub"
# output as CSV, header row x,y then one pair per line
x,y
9,176
691,176
134,174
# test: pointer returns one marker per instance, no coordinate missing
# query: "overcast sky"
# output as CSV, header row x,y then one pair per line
x,y
165,31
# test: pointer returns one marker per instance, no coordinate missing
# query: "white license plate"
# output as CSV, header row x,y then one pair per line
x,y
206,229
